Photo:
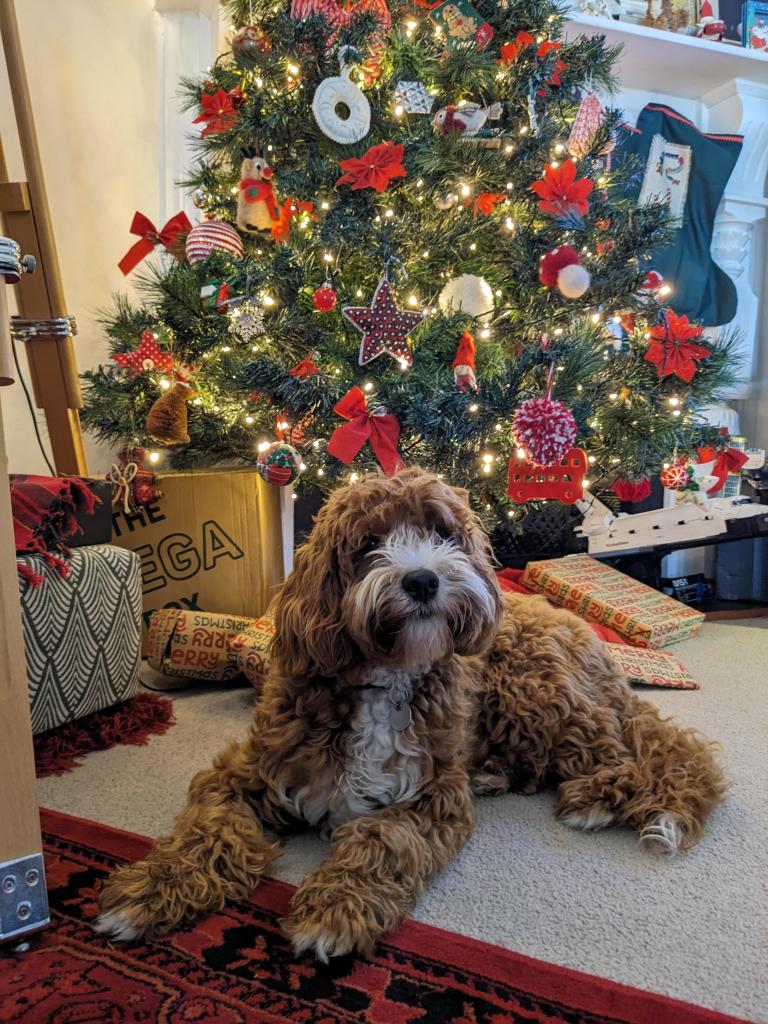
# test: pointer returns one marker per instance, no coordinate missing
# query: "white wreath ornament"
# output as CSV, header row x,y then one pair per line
x,y
329,94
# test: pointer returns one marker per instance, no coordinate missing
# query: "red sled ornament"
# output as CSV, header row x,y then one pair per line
x,y
563,481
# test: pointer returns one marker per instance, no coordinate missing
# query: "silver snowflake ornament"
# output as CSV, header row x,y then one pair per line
x,y
246,320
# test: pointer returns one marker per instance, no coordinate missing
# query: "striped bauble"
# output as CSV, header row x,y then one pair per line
x,y
212,236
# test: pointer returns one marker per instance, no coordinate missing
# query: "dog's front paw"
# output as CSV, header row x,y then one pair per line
x,y
332,919
137,904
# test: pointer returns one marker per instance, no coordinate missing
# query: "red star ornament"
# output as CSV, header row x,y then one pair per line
x,y
147,356
383,326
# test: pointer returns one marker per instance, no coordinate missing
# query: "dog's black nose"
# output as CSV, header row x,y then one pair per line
x,y
421,584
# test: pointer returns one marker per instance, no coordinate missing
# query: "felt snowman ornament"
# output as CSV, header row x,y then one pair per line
x,y
342,90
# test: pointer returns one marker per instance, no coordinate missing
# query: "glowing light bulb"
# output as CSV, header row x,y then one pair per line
x,y
198,401
613,396
665,290
412,300
399,110
520,453
154,457
325,205
367,386
487,457
262,446
249,420
389,213
425,254
165,384
485,333
473,408
268,300
466,191
226,348
354,477
591,460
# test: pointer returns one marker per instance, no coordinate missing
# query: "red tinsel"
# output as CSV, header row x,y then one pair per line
x,y
544,429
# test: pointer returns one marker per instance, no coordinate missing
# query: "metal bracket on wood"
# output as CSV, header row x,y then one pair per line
x,y
23,897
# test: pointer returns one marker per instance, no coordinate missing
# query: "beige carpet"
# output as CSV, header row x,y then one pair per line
x,y
695,928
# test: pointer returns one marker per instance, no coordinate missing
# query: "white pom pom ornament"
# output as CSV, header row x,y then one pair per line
x,y
562,268
468,293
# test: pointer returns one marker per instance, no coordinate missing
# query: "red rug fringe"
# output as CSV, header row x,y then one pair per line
x,y
61,750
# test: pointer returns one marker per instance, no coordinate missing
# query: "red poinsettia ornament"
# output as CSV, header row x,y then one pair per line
x,y
218,111
560,194
672,350
375,168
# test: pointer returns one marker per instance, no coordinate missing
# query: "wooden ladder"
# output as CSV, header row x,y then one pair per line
x,y
39,296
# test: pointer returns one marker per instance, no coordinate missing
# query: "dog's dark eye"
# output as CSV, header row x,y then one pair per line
x,y
369,544
443,532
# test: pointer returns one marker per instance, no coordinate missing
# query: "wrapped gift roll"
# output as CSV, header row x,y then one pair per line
x,y
195,645
209,645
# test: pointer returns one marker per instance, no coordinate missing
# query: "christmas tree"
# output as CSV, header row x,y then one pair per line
x,y
414,248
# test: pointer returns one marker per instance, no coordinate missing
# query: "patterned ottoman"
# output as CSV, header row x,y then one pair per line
x,y
82,634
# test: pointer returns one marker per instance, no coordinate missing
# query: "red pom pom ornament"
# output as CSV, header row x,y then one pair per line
x,y
544,429
324,298
561,268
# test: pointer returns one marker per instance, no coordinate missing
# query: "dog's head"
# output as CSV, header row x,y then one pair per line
x,y
397,571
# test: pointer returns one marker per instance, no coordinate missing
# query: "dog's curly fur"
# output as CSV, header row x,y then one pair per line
x,y
506,693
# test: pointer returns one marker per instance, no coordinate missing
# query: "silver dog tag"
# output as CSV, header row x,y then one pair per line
x,y
400,717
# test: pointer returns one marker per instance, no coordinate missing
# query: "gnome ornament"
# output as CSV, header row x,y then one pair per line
x,y
463,365
562,268
167,419
256,204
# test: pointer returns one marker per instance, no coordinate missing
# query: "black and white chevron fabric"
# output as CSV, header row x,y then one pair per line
x,y
82,634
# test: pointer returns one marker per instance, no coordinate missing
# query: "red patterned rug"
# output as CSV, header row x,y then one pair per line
x,y
133,721
236,967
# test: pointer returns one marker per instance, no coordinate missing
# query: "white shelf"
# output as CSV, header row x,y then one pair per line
x,y
666,62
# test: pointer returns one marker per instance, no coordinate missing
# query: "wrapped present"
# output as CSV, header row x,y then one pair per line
x,y
598,593
251,649
652,668
82,633
211,646
195,645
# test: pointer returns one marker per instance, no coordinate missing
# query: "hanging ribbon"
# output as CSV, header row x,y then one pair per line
x,y
120,477
727,460
380,428
150,237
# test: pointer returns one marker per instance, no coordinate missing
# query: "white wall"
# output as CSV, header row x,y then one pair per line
x,y
103,78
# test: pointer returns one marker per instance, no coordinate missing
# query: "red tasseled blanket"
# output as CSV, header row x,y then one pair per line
x,y
44,510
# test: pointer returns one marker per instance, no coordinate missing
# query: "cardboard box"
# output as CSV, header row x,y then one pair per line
x,y
217,541
598,593
651,668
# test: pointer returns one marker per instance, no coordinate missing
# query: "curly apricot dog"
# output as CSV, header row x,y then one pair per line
x,y
401,682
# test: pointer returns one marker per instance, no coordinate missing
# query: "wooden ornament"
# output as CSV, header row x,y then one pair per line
x,y
563,481
167,419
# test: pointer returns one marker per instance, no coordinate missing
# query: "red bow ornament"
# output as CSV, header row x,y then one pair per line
x,y
168,236
380,428
727,460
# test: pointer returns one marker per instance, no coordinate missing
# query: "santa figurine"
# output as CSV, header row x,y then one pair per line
x,y
256,205
463,365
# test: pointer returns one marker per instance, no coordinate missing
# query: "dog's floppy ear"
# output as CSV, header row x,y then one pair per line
x,y
310,639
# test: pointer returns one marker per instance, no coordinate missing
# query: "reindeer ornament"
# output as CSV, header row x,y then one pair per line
x,y
256,204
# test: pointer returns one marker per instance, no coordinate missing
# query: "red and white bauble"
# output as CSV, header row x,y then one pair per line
x,y
544,429
676,476
324,298
562,268
213,236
